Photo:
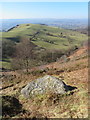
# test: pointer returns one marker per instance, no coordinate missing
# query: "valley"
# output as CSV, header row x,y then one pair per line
x,y
56,52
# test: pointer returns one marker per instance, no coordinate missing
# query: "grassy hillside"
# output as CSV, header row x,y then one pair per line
x,y
72,69
43,36
46,36
72,105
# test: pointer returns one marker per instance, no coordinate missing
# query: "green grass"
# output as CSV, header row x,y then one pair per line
x,y
6,63
43,39
49,38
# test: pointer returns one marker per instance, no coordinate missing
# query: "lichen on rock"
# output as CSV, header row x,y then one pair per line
x,y
44,85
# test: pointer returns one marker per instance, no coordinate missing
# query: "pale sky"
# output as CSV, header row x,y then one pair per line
x,y
58,10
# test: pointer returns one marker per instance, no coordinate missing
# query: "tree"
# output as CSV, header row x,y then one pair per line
x,y
8,48
24,54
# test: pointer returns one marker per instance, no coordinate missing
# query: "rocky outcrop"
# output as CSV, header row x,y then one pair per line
x,y
44,85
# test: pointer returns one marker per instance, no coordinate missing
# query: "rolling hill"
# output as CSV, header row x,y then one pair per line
x,y
72,69
46,39
45,36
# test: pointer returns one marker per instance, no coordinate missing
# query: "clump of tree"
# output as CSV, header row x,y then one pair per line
x,y
48,56
27,56
24,55
8,48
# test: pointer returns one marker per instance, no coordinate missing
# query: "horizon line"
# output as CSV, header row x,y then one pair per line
x,y
39,18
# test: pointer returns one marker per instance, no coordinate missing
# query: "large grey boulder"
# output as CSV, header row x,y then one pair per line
x,y
44,85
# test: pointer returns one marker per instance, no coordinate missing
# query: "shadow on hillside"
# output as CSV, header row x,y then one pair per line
x,y
10,106
71,87
4,70
16,39
5,60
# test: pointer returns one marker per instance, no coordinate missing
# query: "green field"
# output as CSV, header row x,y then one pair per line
x,y
6,63
48,37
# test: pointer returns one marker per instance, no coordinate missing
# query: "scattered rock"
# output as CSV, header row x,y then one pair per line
x,y
43,85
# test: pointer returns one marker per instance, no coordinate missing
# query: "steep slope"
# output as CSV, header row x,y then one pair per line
x,y
72,105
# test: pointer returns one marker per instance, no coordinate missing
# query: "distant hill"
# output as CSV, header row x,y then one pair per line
x,y
46,36
6,24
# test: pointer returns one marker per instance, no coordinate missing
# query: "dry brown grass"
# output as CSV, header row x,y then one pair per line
x,y
71,105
